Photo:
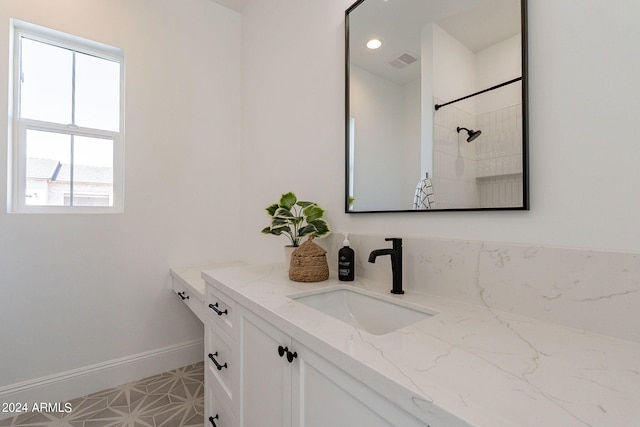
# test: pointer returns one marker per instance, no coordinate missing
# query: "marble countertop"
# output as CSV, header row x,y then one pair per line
x,y
191,276
466,365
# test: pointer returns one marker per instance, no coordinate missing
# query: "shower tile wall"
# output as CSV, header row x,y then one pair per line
x,y
486,172
454,160
499,157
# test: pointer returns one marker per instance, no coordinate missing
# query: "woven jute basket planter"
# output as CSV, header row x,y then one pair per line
x,y
309,263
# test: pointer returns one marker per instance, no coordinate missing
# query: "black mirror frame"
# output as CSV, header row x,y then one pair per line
x,y
525,124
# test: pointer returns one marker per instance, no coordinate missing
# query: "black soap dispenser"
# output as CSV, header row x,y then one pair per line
x,y
346,262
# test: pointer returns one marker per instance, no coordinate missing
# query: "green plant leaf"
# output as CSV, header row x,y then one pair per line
x,y
279,222
313,212
283,213
277,230
266,230
288,200
281,226
271,209
321,226
307,229
305,204
289,215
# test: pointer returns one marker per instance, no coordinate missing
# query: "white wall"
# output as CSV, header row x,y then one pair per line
x,y
79,290
494,65
454,70
583,102
293,112
427,104
412,170
387,133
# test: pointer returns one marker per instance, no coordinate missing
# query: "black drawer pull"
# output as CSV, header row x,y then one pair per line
x,y
215,308
211,420
215,362
183,295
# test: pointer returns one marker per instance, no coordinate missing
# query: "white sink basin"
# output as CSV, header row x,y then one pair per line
x,y
370,312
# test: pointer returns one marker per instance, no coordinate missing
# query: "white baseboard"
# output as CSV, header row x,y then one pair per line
x,y
68,385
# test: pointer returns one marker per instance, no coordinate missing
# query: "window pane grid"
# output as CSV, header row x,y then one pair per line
x,y
46,83
59,166
68,124
92,86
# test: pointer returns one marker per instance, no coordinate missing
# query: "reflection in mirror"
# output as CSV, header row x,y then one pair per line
x,y
436,105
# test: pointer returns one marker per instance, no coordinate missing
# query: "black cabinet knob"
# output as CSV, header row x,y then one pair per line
x,y
212,420
282,350
183,295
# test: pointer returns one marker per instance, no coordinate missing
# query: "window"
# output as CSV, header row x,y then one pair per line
x,y
67,148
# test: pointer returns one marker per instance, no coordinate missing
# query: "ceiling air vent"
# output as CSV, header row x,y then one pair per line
x,y
403,60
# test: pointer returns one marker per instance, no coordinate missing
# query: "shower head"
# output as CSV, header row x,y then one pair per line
x,y
472,134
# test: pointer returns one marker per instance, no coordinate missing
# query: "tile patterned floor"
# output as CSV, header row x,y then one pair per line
x,y
170,399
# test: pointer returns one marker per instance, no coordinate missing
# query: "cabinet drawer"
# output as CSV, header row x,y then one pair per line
x,y
182,292
221,310
217,412
220,362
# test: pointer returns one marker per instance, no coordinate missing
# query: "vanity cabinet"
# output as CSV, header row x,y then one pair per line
x,y
221,360
256,375
186,296
284,383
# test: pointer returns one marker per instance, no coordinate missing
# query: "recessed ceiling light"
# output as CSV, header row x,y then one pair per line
x,y
374,44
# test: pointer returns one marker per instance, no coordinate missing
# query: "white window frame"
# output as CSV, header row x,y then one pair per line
x,y
17,151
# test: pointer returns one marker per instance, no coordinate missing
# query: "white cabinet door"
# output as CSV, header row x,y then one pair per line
x,y
325,395
298,388
265,376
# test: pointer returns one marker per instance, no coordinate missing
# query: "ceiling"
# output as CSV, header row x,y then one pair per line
x,y
477,24
236,5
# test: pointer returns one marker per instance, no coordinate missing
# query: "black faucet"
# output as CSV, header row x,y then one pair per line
x,y
396,262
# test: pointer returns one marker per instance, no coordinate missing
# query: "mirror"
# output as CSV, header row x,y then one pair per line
x,y
436,115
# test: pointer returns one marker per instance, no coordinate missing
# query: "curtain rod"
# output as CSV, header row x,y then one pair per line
x,y
438,106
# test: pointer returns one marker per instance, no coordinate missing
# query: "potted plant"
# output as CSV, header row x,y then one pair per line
x,y
296,219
